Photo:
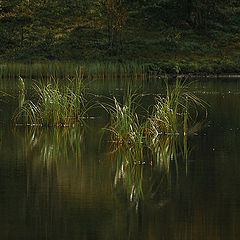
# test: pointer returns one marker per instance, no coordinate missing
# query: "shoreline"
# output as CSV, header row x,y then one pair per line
x,y
113,68
203,76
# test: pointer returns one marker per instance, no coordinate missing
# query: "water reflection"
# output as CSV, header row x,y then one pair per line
x,y
58,184
52,144
150,173
63,190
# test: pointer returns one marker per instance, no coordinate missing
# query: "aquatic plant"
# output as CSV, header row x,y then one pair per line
x,y
173,111
125,125
157,139
95,70
21,92
54,105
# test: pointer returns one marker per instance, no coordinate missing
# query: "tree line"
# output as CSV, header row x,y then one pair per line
x,y
48,25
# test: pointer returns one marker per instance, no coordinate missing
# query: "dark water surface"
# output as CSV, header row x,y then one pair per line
x,y
64,184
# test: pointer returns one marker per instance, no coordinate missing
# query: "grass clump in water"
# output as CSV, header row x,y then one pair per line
x,y
157,140
53,104
125,124
174,112
151,136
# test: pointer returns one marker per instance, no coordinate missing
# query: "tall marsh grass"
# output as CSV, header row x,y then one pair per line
x,y
125,126
174,111
99,70
52,104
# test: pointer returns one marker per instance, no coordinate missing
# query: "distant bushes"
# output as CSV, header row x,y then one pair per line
x,y
172,67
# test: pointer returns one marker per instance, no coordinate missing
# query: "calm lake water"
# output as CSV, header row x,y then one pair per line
x,y
65,183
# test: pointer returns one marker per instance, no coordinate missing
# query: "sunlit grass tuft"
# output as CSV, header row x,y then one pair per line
x,y
125,125
174,111
53,104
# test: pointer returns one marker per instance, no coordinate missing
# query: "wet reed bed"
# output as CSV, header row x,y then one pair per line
x,y
173,113
97,70
52,104
62,103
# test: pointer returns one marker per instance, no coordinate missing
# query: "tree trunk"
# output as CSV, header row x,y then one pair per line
x,y
21,36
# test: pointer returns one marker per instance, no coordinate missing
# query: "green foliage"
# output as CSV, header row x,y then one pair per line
x,y
171,32
111,16
125,126
53,105
172,114
95,70
157,139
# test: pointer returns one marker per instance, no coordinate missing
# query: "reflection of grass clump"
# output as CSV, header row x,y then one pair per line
x,y
144,175
54,105
55,144
153,140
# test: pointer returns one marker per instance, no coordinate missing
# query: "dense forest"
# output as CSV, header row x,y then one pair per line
x,y
175,32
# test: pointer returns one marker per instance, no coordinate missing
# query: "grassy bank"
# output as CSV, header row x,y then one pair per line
x,y
113,70
90,70
154,37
